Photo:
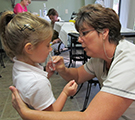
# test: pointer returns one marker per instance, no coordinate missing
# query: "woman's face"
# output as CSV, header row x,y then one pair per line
x,y
25,2
91,41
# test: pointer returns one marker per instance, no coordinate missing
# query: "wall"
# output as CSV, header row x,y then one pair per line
x,y
86,2
62,6
5,5
108,3
131,17
124,13
73,5
127,15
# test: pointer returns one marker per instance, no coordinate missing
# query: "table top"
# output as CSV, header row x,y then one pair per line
x,y
127,32
65,28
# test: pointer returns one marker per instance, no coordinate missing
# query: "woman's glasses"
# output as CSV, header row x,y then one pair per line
x,y
84,33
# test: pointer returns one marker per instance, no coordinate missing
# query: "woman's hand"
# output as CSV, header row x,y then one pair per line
x,y
59,63
17,102
56,64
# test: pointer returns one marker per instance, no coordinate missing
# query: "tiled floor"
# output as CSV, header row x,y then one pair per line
x,y
7,112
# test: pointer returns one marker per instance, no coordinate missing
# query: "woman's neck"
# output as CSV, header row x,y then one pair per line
x,y
22,4
111,52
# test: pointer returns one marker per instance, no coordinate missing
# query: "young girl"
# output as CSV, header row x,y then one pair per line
x,y
26,39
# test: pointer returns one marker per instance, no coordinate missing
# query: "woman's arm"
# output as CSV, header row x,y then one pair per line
x,y
78,74
104,106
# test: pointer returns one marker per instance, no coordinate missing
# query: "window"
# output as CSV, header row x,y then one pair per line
x,y
116,6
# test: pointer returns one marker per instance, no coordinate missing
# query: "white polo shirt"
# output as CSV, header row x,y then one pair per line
x,y
120,79
33,85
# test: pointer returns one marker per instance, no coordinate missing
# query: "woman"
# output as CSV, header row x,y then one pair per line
x,y
22,6
112,62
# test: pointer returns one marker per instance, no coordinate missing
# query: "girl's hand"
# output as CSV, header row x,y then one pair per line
x,y
50,69
71,88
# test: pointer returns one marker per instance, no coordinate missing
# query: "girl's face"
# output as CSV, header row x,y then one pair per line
x,y
91,41
40,53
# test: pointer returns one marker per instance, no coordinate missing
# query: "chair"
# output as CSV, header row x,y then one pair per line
x,y
59,51
2,54
89,85
76,52
73,16
88,91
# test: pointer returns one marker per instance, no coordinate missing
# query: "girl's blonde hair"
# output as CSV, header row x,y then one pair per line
x,y
18,30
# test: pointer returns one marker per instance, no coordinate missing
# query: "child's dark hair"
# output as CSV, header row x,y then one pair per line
x,y
53,12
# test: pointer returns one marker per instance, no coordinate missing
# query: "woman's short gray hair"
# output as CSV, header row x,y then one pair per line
x,y
99,18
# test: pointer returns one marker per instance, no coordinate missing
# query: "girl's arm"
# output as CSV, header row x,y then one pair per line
x,y
69,90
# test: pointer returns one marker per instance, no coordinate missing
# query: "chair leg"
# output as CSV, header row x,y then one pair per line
x,y
87,96
1,59
69,64
88,93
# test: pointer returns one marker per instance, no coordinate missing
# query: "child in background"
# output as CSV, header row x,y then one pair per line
x,y
54,17
26,39
22,6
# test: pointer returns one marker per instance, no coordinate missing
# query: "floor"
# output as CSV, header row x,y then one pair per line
x,y
7,112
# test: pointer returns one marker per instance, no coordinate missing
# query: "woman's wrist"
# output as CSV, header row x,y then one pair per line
x,y
62,71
